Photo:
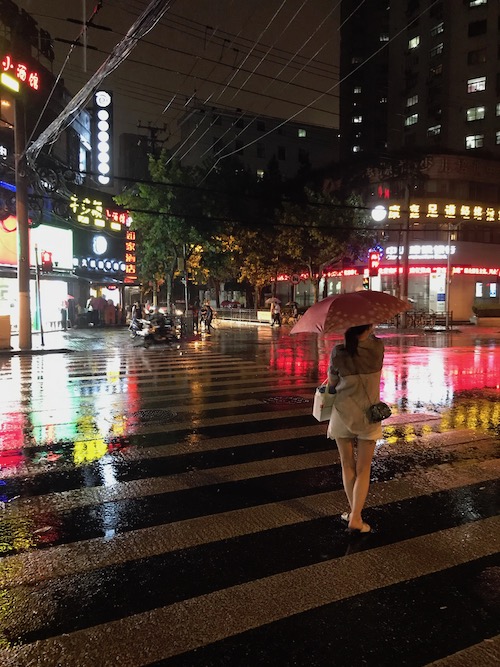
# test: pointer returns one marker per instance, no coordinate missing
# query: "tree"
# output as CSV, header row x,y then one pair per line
x,y
321,232
167,215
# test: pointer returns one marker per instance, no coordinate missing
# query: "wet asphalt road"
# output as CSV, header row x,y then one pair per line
x,y
180,505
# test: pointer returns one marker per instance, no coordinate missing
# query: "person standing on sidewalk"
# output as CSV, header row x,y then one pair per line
x,y
354,374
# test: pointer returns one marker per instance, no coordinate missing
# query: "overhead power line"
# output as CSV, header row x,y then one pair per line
x,y
148,19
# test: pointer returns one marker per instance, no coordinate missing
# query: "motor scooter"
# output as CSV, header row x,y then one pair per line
x,y
152,333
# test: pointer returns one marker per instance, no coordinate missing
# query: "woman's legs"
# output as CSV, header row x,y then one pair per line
x,y
348,463
365,450
356,475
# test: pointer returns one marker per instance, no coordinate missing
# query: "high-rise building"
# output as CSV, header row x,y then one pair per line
x,y
364,80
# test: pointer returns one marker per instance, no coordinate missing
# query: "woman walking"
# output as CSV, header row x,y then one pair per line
x,y
354,373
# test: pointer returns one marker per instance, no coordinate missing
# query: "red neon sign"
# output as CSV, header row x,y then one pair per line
x,y
130,257
21,72
118,216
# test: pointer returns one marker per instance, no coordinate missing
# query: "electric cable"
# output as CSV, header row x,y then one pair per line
x,y
144,24
375,53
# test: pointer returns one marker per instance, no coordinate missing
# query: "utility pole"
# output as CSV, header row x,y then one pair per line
x,y
23,242
406,256
153,135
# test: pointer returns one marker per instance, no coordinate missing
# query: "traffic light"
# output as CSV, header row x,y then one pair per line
x,y
373,263
46,261
366,283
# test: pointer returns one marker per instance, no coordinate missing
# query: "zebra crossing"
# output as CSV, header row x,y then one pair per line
x,y
192,517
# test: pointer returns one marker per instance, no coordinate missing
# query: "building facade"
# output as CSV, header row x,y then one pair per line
x,y
75,231
438,177
206,134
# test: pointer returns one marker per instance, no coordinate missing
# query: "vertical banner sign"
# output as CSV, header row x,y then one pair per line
x,y
130,257
102,138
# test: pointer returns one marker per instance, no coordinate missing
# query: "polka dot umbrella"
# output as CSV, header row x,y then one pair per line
x,y
341,311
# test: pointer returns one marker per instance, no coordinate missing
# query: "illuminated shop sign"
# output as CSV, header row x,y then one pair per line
x,y
421,251
89,211
450,211
121,217
57,241
102,140
130,257
98,253
15,73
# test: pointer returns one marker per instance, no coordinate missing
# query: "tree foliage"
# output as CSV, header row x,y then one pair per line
x,y
228,225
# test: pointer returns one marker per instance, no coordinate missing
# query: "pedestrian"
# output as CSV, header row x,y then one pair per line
x,y
275,313
206,316
354,373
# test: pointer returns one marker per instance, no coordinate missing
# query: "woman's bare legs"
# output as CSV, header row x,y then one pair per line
x,y
348,463
356,475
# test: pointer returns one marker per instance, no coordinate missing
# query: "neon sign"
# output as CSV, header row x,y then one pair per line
x,y
21,72
122,217
421,251
449,210
130,257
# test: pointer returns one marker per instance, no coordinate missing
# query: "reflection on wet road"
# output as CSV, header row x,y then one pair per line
x,y
126,472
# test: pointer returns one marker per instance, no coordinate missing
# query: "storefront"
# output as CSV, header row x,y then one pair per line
x,y
53,289
104,252
474,270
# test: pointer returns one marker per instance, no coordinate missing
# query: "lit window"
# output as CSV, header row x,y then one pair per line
x,y
356,90
498,109
479,290
474,141
356,149
411,120
433,130
493,290
383,100
477,3
301,132
414,42
437,29
476,113
437,50
260,174
477,84
357,119
412,100
384,37
497,137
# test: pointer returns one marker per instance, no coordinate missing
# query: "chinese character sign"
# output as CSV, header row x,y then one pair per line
x,y
27,75
130,256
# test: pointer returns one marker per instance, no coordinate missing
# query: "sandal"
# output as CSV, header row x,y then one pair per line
x,y
365,528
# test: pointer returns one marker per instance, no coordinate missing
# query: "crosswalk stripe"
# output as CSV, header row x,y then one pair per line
x,y
485,653
66,559
196,622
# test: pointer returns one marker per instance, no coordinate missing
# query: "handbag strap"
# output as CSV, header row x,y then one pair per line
x,y
362,381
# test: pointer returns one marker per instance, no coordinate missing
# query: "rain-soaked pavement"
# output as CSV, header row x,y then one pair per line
x,y
180,506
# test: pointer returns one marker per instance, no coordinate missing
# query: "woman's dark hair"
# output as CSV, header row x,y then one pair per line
x,y
351,338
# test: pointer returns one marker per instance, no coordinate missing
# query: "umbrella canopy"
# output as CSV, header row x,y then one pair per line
x,y
273,299
341,311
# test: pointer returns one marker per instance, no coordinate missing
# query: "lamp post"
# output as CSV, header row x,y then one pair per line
x,y
406,256
447,285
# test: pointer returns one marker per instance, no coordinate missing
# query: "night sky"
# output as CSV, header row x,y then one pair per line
x,y
197,49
